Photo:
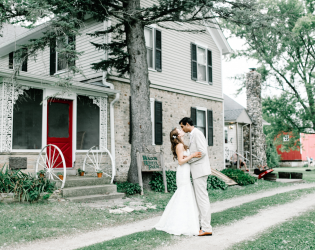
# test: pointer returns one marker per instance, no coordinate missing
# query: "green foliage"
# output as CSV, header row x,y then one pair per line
x,y
239,176
41,172
157,185
80,171
128,188
214,182
280,42
24,186
59,173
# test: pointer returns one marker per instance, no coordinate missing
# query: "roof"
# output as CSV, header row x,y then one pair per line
x,y
9,32
232,115
230,104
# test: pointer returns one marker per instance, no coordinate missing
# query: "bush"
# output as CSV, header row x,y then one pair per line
x,y
239,176
157,184
24,186
215,183
128,188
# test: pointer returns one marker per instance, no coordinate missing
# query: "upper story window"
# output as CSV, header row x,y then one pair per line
x,y
226,135
15,59
201,64
153,43
59,60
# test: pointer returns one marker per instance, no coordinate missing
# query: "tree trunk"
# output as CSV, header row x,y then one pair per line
x,y
139,89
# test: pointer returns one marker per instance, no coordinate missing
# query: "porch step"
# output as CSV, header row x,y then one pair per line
x,y
88,190
80,181
96,197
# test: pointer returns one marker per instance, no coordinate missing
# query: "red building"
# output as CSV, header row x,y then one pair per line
x,y
306,150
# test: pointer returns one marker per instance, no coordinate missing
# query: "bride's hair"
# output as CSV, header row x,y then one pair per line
x,y
175,140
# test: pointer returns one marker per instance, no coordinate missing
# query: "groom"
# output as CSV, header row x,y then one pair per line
x,y
200,170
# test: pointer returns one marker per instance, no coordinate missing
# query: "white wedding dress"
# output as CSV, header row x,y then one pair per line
x,y
181,214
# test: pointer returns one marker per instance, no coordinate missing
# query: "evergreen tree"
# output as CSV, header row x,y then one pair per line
x,y
127,50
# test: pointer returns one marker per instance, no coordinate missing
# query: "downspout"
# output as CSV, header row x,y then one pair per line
x,y
111,106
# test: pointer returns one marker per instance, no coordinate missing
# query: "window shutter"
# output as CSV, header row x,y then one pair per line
x,y
52,56
193,115
158,50
71,39
193,61
130,121
210,66
24,64
158,126
11,60
210,128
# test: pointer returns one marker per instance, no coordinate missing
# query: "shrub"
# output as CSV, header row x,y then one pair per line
x,y
239,176
128,188
24,186
157,184
215,183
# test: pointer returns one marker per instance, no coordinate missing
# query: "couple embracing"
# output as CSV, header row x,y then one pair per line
x,y
188,211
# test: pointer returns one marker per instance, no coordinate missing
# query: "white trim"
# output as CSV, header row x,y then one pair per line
x,y
150,69
200,44
153,45
152,106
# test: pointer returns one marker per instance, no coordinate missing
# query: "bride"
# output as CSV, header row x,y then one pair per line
x,y
181,214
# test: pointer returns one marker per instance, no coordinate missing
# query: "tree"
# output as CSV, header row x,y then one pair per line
x,y
283,43
127,51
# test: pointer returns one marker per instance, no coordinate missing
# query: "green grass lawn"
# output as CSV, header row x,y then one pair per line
x,y
27,222
154,238
298,234
308,176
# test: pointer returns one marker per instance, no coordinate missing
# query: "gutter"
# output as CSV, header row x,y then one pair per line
x,y
111,106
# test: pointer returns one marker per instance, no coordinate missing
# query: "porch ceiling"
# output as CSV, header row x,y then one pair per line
x,y
48,82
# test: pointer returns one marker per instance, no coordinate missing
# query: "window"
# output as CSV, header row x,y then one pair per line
x,y
201,64
286,138
27,120
60,61
226,137
148,34
88,123
15,59
203,120
153,43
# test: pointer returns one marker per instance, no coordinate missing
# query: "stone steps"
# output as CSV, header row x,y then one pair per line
x,y
97,197
89,189
84,181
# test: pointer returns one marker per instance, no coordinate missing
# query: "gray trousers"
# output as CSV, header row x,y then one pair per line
x,y
203,203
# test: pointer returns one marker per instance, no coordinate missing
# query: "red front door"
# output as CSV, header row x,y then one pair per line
x,y
59,128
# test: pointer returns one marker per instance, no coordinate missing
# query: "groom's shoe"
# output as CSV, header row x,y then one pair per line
x,y
204,233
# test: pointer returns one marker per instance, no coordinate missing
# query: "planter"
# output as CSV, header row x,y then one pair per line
x,y
284,175
296,175
82,173
61,177
41,175
99,175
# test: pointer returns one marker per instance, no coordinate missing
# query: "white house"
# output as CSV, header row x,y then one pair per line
x,y
186,80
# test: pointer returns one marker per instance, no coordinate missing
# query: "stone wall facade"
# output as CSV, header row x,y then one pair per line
x,y
254,110
175,106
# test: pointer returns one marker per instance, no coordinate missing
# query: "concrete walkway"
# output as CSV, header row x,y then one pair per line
x,y
248,228
105,234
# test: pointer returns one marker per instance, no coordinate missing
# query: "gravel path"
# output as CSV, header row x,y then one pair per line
x,y
247,228
96,236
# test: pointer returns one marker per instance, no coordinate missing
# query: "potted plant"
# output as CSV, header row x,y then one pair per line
x,y
99,173
41,173
80,172
60,175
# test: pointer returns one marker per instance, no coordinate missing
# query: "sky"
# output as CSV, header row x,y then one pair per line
x,y
234,67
